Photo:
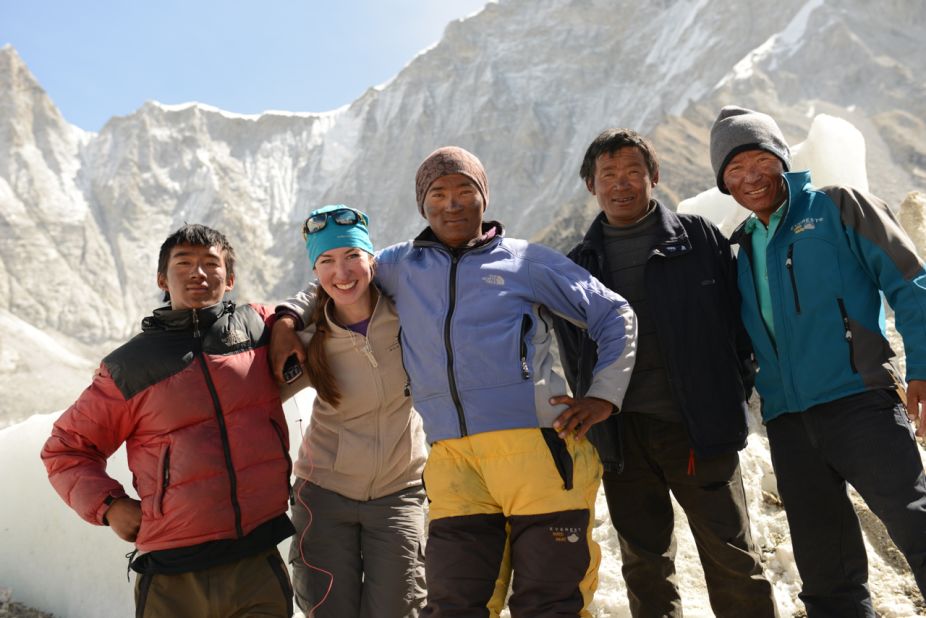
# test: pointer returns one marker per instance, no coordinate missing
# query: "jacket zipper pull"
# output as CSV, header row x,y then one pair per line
x,y
525,372
195,324
367,349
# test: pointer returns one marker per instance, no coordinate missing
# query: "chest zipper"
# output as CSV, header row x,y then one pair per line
x,y
451,379
366,348
789,264
223,430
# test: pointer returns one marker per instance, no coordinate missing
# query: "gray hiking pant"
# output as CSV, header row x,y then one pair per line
x,y
358,558
656,461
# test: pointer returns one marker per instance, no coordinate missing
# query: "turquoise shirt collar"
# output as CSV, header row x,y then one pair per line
x,y
773,221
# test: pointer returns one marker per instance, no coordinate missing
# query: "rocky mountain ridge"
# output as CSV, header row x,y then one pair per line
x,y
525,84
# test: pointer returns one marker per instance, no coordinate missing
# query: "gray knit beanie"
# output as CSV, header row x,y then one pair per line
x,y
738,129
444,162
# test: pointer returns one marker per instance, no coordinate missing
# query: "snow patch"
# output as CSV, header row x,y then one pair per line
x,y
180,107
783,44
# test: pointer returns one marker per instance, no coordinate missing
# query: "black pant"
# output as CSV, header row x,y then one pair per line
x,y
656,461
865,440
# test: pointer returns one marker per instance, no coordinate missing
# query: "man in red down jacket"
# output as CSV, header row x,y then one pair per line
x,y
193,399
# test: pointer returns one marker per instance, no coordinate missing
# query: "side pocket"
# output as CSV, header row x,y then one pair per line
x,y
526,324
164,481
282,575
289,461
848,332
562,458
408,381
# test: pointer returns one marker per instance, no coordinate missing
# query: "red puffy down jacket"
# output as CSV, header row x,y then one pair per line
x,y
194,400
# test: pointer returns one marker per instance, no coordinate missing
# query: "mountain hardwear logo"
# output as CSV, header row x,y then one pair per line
x,y
566,535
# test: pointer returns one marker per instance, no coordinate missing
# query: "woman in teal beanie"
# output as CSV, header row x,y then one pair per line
x,y
359,513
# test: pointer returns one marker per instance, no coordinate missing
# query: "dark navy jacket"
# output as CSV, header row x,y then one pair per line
x,y
690,277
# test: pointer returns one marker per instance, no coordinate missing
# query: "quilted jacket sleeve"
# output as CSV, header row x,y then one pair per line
x,y
81,441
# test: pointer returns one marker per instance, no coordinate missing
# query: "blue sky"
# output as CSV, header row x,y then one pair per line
x,y
105,58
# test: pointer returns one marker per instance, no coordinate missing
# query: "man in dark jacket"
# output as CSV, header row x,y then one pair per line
x,y
684,416
193,400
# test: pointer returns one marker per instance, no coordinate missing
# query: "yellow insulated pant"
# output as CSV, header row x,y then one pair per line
x,y
543,488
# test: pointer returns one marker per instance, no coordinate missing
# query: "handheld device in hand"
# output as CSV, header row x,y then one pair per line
x,y
291,369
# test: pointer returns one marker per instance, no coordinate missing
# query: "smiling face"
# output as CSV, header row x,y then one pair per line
x,y
195,276
754,179
623,185
345,274
453,207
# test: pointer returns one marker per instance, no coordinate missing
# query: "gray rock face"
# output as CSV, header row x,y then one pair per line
x,y
525,84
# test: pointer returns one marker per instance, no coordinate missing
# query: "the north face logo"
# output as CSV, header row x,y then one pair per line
x,y
234,337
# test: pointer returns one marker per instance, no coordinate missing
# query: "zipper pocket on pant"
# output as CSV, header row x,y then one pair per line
x,y
526,324
848,333
789,264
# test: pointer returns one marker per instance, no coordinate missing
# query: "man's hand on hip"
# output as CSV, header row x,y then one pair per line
x,y
581,414
916,397
124,517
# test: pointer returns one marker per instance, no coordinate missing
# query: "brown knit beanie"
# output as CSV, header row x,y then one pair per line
x,y
444,162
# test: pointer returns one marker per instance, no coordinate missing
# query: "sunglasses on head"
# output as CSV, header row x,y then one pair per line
x,y
341,216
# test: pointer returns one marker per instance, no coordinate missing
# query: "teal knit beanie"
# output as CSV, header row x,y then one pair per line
x,y
335,235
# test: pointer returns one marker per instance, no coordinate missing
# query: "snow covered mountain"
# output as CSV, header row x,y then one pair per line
x,y
525,84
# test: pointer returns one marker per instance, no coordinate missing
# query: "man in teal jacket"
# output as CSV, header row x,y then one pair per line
x,y
811,269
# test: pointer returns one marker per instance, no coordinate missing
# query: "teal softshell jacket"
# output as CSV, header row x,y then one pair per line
x,y
833,254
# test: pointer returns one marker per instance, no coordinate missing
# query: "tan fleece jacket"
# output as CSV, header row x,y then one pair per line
x,y
372,444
